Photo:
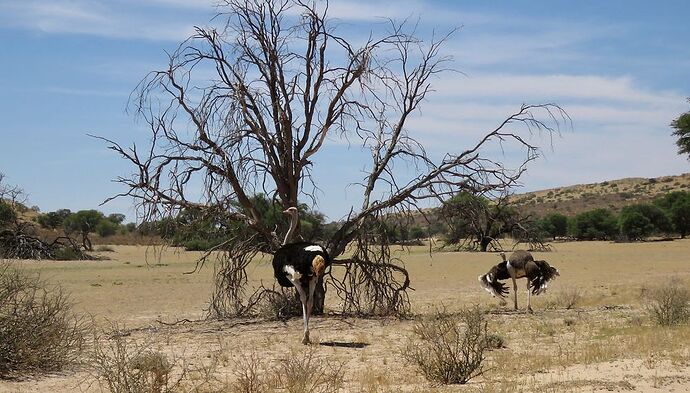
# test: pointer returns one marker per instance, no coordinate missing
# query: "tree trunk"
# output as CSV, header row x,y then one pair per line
x,y
86,242
484,243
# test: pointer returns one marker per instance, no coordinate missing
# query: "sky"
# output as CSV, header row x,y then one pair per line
x,y
621,70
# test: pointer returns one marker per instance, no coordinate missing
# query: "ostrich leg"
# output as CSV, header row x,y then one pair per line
x,y
529,298
310,306
512,276
305,316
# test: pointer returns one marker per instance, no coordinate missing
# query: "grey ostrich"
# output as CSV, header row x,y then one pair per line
x,y
300,265
520,264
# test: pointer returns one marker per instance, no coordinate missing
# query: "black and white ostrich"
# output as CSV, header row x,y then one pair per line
x,y
300,265
520,264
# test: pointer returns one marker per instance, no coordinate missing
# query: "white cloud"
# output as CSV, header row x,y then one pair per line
x,y
98,18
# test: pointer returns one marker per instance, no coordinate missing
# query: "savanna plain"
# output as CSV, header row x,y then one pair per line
x,y
591,331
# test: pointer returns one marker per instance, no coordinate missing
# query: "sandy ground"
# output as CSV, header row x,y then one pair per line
x,y
605,343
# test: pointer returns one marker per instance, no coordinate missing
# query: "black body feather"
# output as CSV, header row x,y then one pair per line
x,y
297,256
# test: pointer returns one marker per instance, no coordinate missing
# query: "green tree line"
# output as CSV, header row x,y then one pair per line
x,y
666,215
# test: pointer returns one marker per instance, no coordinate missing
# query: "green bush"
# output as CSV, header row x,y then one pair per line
x,y
199,244
7,214
38,331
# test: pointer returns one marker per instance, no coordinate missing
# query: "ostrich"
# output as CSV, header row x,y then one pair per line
x,y
520,264
300,265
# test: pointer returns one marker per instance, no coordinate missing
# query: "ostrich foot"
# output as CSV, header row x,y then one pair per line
x,y
529,310
305,340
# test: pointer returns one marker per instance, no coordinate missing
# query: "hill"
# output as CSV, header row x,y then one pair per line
x,y
613,194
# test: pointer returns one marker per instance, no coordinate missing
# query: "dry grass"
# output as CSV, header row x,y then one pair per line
x,y
594,333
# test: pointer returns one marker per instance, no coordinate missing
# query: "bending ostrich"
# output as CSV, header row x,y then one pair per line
x,y
520,264
300,264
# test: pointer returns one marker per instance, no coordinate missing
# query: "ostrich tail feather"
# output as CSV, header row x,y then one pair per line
x,y
494,287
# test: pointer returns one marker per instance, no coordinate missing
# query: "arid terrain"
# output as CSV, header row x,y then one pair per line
x,y
590,331
613,194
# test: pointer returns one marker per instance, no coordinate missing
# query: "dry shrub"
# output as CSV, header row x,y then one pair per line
x,y
38,331
282,304
124,366
567,298
494,341
249,374
669,304
302,372
450,348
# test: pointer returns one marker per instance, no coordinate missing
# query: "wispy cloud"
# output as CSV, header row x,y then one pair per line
x,y
100,18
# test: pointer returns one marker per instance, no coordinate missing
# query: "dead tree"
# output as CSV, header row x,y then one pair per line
x,y
282,81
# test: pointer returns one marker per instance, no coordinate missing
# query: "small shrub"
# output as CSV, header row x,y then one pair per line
x,y
199,245
38,331
281,305
250,379
68,254
449,348
125,366
569,322
305,373
567,298
669,304
494,341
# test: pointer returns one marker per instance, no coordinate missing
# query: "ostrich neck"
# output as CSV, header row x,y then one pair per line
x,y
293,226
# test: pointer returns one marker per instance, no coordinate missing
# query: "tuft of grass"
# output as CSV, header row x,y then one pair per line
x,y
38,331
450,348
669,304
105,249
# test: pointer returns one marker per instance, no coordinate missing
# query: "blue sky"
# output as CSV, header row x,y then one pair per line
x,y
621,69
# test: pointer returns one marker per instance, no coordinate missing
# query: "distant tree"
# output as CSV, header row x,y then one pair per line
x,y
117,218
129,227
106,228
682,132
598,224
554,225
11,193
53,220
677,206
634,228
417,232
83,222
7,214
634,225
477,219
